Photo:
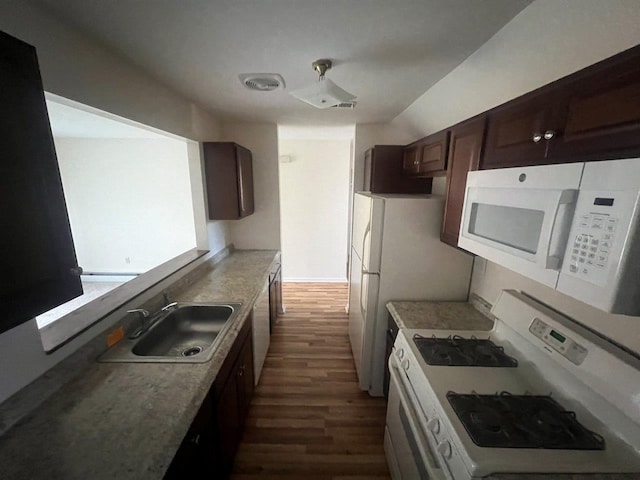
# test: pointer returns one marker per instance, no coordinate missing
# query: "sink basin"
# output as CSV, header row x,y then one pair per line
x,y
186,334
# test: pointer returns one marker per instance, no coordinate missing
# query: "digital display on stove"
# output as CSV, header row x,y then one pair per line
x,y
557,336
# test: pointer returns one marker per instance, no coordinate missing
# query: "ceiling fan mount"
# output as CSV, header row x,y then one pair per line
x,y
321,66
324,93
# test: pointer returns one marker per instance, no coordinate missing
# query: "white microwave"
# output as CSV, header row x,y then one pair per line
x,y
573,227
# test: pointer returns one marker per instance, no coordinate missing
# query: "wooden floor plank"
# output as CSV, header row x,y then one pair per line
x,y
308,418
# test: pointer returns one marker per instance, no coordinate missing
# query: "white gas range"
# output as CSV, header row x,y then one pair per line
x,y
563,401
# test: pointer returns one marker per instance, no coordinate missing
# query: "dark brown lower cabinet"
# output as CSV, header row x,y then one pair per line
x,y
212,440
275,295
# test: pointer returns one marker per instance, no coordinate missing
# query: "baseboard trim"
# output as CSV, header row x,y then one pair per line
x,y
313,280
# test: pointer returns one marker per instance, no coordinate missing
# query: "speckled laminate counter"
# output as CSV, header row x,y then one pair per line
x,y
438,315
127,420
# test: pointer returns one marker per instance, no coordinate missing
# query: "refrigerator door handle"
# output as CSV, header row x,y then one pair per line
x,y
363,295
364,292
366,250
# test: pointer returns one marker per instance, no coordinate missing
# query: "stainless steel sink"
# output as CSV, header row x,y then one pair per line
x,y
189,333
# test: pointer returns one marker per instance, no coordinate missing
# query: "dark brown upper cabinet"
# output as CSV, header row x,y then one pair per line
x,y
383,172
427,157
229,180
465,148
593,114
602,113
519,133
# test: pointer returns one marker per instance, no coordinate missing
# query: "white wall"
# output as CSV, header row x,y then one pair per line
x,y
314,209
129,201
74,66
546,41
77,67
260,230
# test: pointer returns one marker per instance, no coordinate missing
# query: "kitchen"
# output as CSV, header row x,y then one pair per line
x,y
525,59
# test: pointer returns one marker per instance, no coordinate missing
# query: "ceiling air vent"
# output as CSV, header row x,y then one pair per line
x,y
345,105
262,82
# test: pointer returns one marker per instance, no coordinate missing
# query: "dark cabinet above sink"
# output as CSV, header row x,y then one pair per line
x,y
228,171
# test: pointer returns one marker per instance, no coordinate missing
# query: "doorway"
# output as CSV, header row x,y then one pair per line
x,y
314,173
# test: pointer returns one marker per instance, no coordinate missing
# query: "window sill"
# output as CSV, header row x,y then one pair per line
x,y
69,326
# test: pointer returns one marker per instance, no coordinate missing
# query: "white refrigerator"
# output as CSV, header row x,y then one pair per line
x,y
396,254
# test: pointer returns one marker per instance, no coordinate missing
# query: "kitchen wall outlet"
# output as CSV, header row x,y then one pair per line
x,y
127,259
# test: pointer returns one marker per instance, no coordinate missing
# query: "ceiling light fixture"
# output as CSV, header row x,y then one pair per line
x,y
324,93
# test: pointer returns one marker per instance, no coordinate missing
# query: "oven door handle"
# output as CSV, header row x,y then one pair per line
x,y
435,470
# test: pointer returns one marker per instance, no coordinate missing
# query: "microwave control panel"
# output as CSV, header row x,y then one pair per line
x,y
562,344
591,245
598,230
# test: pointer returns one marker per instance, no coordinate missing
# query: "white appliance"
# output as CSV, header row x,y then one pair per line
x,y
396,254
595,384
574,227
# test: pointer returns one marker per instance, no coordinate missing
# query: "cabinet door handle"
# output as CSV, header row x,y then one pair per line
x,y
549,134
196,440
77,270
537,137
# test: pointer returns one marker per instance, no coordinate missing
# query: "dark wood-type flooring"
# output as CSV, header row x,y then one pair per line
x,y
308,419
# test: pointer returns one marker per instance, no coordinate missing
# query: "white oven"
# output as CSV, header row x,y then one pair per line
x,y
409,453
440,423
574,227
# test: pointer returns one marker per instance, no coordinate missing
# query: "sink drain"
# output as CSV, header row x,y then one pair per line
x,y
191,351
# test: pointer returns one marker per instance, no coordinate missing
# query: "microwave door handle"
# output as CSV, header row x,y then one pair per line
x,y
555,240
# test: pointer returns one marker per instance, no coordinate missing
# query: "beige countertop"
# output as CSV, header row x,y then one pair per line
x,y
127,420
438,315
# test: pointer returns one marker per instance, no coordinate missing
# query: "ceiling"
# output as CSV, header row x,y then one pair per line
x,y
387,53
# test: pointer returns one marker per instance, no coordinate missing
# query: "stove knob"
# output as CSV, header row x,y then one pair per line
x,y
400,353
444,449
434,425
405,365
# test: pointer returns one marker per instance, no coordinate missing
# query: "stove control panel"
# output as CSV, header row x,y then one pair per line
x,y
562,344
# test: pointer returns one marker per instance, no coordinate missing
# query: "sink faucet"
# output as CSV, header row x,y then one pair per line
x,y
147,320
169,306
143,315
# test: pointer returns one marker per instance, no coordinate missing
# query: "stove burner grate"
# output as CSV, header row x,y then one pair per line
x,y
521,421
456,351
